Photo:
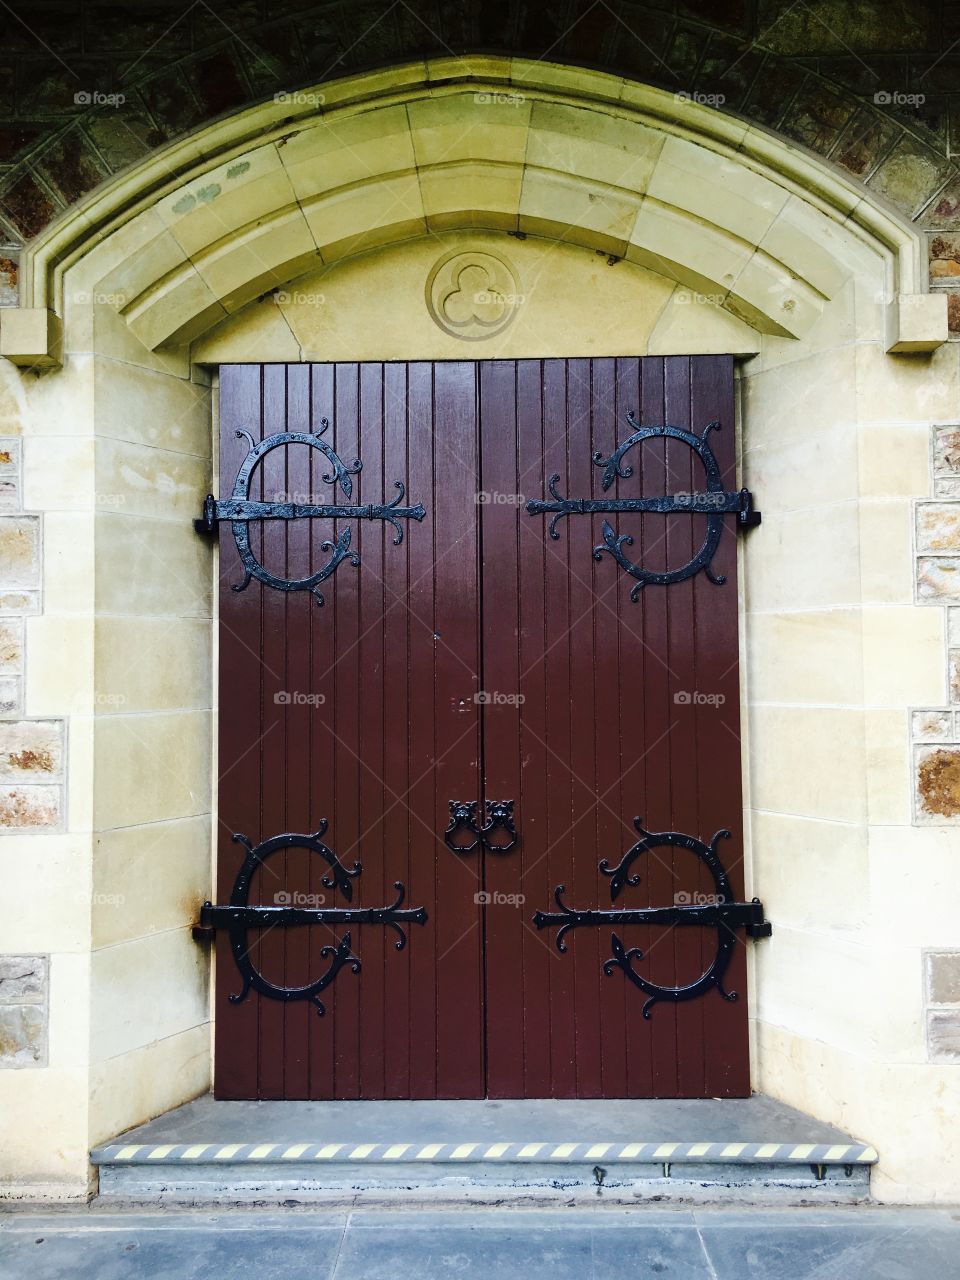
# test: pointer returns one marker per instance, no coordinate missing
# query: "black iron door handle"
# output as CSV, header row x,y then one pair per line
x,y
463,819
499,817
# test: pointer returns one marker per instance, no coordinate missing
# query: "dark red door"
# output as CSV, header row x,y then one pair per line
x,y
479,659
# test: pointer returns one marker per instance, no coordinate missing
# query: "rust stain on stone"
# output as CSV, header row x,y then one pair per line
x,y
41,761
19,810
6,457
938,782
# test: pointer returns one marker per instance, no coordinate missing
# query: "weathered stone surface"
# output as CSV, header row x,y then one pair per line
x,y
943,1035
938,782
944,212
31,750
946,450
25,808
938,526
819,119
909,173
9,273
938,578
11,646
953,667
22,1035
10,696
953,311
9,472
932,726
865,27
27,206
864,139
19,551
943,976
23,979
73,168
17,602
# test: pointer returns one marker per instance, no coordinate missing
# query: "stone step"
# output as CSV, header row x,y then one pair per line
x,y
482,1151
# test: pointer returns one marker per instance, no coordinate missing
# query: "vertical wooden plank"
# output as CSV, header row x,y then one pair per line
x,y
561,1020
272,879
295,714
500,720
583,882
533,853
397,722
682,745
420,814
650,472
239,741
616,690
372,940
635,665
455,643
343,597
324,673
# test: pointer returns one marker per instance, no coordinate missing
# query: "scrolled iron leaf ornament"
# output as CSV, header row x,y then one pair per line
x,y
238,917
241,511
719,910
713,501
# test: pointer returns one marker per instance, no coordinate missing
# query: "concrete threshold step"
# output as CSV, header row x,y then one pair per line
x,y
439,1152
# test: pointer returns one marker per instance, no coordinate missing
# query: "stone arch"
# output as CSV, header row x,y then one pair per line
x,y
210,223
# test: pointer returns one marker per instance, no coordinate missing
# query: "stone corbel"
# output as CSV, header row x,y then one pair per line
x,y
916,322
31,337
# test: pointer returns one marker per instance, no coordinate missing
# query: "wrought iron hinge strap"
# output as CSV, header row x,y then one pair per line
x,y
287,917
720,912
237,917
735,915
236,509
713,502
240,510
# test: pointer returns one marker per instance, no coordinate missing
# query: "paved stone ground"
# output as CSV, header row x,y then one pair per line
x,y
866,1243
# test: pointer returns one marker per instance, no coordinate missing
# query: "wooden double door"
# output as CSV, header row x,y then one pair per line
x,y
469,656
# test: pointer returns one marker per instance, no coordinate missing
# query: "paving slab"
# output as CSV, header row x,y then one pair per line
x,y
868,1243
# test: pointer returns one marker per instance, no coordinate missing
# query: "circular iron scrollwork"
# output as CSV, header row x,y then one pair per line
x,y
713,502
623,957
717,910
241,511
339,877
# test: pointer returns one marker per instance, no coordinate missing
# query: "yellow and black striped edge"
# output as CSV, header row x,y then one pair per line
x,y
524,1152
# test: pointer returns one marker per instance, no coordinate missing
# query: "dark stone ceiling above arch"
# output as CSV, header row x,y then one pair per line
x,y
873,86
